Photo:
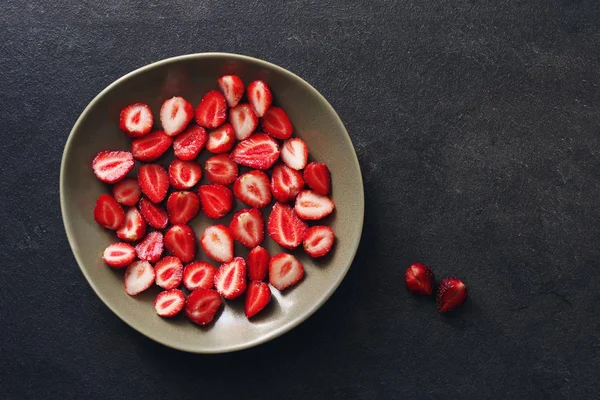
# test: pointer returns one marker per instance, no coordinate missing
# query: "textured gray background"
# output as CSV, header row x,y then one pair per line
x,y
476,126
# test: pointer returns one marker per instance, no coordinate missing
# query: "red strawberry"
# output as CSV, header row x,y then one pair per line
x,y
180,240
294,153
134,227
217,243
284,271
127,192
189,144
119,255
286,183
154,214
258,296
217,200
419,279
169,272
108,212
112,166
233,89
198,275
169,303
175,115
284,226
221,169
139,276
247,227
151,146
202,305
230,279
313,206
151,248
253,189
184,174
318,240
276,123
136,120
244,120
182,207
259,151
451,293
258,263
212,110
260,97
318,178
154,182
221,140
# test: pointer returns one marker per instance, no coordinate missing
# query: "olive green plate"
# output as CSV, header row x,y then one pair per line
x,y
190,76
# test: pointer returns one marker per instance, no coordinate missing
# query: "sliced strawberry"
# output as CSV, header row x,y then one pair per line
x,y
294,153
202,305
258,296
318,240
169,272
217,243
184,174
182,207
112,166
244,120
119,255
108,212
221,169
247,227
217,200
139,276
188,144
313,206
233,89
151,147
150,248
154,182
136,120
284,226
276,123
198,275
260,97
212,110
259,151
154,214
175,115
258,263
253,189
451,293
284,271
180,240
169,303
127,192
286,183
221,140
230,279
318,178
134,227
419,279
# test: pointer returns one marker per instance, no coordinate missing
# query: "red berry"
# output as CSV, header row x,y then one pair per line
x,y
419,279
451,293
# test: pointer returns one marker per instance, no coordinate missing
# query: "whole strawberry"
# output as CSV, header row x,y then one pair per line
x,y
451,293
419,279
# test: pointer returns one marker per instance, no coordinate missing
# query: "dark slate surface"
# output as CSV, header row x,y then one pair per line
x,y
476,126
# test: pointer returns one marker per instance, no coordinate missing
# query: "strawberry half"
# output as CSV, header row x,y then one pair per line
x,y
112,166
154,214
169,272
221,140
134,226
151,147
136,120
276,123
258,296
258,263
286,183
244,120
419,279
175,115
217,243
182,207
294,153
127,192
230,279
253,189
284,226
451,293
180,240
259,151
184,174
119,255
221,170
318,178
169,303
154,182
139,276
198,275
313,206
202,305
318,240
150,248
212,110
232,88
284,271
260,97
188,144
247,227
108,212
217,200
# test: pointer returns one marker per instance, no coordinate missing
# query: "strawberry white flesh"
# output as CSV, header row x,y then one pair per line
x,y
244,120
175,115
313,206
198,275
260,97
169,303
139,276
169,272
119,255
294,153
232,88
230,279
112,166
134,226
318,240
217,243
284,271
136,120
